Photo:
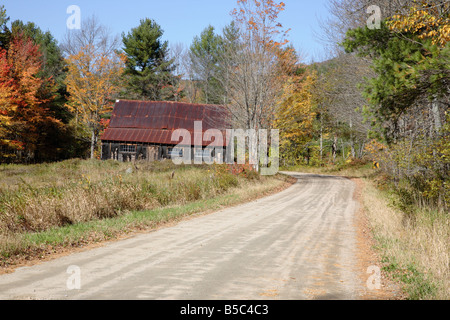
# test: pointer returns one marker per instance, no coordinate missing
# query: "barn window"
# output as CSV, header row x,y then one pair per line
x,y
175,152
127,148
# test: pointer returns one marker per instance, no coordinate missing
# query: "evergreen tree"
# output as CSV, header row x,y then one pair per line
x,y
229,47
5,33
408,70
149,71
409,98
204,56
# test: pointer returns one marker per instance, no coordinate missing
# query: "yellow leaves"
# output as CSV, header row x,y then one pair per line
x,y
373,148
92,80
426,23
295,115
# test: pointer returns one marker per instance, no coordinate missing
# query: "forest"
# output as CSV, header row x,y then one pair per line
x,y
381,96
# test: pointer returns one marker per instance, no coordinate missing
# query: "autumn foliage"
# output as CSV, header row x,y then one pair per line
x,y
261,18
92,80
426,22
23,115
295,115
6,93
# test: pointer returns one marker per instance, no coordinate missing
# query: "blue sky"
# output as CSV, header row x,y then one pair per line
x,y
181,20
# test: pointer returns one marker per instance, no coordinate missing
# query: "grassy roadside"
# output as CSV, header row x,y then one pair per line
x,y
414,246
46,210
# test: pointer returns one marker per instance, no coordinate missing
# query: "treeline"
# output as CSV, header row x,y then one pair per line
x,y
386,93
57,98
383,95
35,124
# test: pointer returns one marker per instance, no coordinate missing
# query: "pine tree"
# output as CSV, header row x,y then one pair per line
x,y
5,33
204,55
408,69
148,72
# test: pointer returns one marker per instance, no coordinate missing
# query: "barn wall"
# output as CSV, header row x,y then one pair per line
x,y
128,151
117,151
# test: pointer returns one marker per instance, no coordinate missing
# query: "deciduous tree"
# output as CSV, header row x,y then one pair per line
x,y
255,81
409,96
93,79
26,119
295,115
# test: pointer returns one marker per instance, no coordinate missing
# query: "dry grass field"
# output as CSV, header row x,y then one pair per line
x,y
82,201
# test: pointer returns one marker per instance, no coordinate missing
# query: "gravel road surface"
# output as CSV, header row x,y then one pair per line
x,y
297,244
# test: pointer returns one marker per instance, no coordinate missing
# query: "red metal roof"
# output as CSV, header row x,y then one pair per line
x,y
155,121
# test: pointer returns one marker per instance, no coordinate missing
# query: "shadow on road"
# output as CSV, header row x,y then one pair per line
x,y
311,176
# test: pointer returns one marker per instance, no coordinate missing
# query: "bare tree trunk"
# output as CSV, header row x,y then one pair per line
x,y
93,143
436,115
321,138
352,140
361,150
254,150
334,148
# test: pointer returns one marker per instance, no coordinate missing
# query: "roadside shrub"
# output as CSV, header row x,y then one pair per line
x,y
225,181
419,168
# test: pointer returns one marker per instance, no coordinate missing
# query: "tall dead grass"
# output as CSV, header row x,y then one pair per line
x,y
415,248
39,197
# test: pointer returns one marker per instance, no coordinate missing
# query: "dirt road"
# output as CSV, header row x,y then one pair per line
x,y
298,244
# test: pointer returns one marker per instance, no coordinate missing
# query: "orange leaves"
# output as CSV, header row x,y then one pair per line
x,y
24,59
261,19
6,92
373,148
21,89
93,79
252,24
5,82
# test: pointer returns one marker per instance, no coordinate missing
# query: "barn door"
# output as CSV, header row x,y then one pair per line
x,y
152,153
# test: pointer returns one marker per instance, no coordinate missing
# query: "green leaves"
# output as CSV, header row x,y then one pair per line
x,y
408,69
408,98
143,46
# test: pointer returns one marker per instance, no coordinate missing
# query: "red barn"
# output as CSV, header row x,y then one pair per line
x,y
141,130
